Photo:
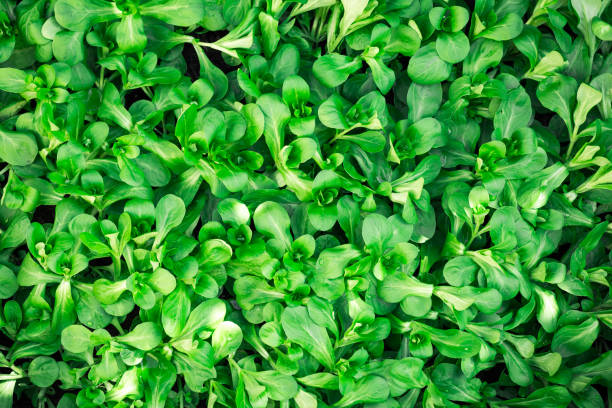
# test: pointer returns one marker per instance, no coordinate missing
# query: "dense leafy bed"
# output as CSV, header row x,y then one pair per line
x,y
305,204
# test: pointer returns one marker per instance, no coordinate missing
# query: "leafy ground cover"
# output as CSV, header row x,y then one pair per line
x,y
301,204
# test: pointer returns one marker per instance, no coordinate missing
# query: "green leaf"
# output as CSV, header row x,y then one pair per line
x,y
233,212
90,312
8,283
352,10
130,34
280,387
80,15
452,47
159,382
43,371
376,232
296,91
112,108
6,392
404,39
384,77
271,219
451,343
320,380
484,54
205,317
13,80
513,114
449,19
587,98
547,397
507,28
334,69
18,148
369,389
300,329
251,291
30,274
145,336
395,287
601,29
454,385
181,13
547,66
558,93
108,292
518,370
426,67
331,112
169,213
527,43
575,339
485,299
68,47
75,339
269,33
423,101
548,309
370,141
403,375
597,370
586,245
64,313
197,366
276,115
550,362
460,271
587,10
535,192
226,339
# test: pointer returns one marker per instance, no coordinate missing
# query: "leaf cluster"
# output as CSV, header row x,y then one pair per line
x,y
302,204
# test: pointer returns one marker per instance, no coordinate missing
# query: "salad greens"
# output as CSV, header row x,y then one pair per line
x,y
305,203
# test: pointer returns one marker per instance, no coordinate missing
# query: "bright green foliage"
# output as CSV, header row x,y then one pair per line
x,y
305,203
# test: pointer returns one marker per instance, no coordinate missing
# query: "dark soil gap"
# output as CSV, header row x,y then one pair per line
x,y
44,214
216,57
134,95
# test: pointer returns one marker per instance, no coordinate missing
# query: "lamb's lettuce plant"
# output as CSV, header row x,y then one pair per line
x,y
302,204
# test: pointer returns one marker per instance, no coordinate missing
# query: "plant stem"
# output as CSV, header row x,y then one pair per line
x,y
570,147
231,53
117,326
101,80
148,92
344,132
